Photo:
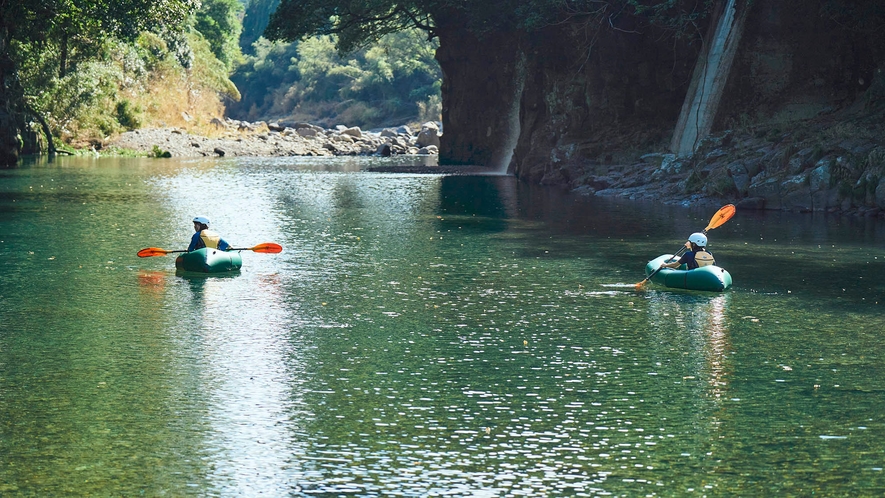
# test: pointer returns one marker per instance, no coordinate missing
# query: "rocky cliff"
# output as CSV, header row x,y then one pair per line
x,y
799,124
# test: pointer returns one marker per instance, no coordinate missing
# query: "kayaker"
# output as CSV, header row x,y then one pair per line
x,y
696,256
205,237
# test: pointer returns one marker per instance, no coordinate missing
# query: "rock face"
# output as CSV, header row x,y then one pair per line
x,y
479,88
799,125
574,95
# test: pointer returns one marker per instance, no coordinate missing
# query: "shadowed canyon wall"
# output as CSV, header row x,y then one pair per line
x,y
589,96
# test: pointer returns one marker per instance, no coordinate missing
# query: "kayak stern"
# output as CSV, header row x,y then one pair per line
x,y
708,278
208,260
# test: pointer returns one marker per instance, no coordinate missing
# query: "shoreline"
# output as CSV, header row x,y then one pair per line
x,y
818,173
238,139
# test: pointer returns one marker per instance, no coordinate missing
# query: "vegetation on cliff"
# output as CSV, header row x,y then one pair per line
x,y
87,69
83,71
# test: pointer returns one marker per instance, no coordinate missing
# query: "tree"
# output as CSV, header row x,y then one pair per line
x,y
255,20
59,22
358,23
218,21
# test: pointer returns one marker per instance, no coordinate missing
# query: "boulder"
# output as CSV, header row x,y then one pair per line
x,y
751,203
383,150
354,132
819,177
671,164
429,135
769,190
741,182
796,194
656,158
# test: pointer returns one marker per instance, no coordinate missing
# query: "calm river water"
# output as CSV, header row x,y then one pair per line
x,y
424,335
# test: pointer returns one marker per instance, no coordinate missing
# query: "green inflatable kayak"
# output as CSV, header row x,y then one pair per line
x,y
707,278
207,260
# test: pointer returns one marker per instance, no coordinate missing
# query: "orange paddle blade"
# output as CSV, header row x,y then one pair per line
x,y
724,214
268,247
152,251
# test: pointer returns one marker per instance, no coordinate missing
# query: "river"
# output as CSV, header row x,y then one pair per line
x,y
424,335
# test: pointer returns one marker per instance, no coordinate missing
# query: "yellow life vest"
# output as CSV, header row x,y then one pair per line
x,y
703,258
210,238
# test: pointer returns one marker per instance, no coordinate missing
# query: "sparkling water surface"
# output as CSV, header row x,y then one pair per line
x,y
424,335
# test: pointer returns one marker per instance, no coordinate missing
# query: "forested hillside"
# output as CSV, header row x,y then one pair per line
x,y
78,73
391,82
83,71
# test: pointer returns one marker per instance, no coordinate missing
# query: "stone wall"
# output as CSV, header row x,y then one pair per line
x,y
800,123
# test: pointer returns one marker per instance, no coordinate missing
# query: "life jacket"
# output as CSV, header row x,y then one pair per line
x,y
210,239
703,258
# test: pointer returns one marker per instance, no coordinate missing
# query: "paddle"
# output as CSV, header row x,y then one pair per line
x,y
266,247
724,214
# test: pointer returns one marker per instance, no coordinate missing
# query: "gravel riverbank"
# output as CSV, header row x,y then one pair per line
x,y
237,138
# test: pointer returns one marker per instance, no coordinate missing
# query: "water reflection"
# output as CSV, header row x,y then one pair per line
x,y
244,336
696,326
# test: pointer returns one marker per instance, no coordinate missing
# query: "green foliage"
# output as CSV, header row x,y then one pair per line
x,y
431,110
81,100
393,79
157,152
219,22
58,56
52,20
128,115
356,24
680,18
255,20
210,71
271,70
722,185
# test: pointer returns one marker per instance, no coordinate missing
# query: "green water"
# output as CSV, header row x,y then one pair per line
x,y
424,335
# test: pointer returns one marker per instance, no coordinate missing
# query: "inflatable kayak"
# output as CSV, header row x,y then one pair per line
x,y
706,278
207,260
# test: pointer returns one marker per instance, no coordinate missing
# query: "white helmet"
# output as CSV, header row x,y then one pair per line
x,y
202,219
698,239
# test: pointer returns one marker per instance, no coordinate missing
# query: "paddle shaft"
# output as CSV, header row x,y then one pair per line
x,y
266,247
678,254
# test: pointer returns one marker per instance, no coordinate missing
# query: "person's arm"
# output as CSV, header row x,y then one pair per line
x,y
223,245
194,240
677,264
673,264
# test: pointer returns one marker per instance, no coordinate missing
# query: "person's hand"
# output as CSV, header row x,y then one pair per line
x,y
688,245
